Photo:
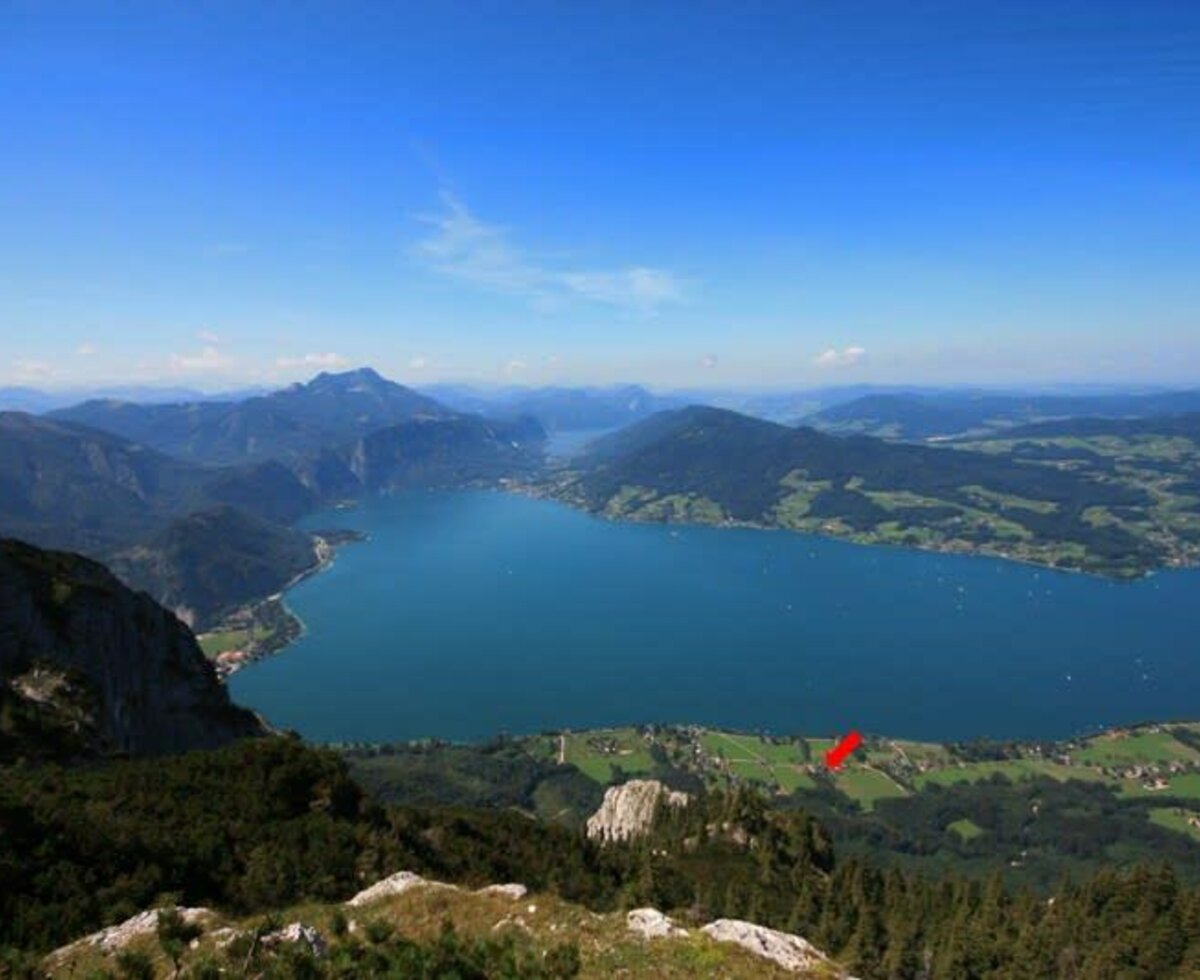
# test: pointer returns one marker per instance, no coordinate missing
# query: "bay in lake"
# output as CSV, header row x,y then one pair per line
x,y
471,613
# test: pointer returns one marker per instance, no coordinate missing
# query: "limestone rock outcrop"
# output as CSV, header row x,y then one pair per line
x,y
628,810
116,938
396,884
511,890
790,952
297,932
652,924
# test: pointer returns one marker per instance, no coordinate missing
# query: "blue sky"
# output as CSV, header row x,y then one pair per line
x,y
684,194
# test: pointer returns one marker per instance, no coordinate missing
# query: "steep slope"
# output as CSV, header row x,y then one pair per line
x,y
446,453
65,485
268,490
329,410
201,540
69,486
713,465
212,562
87,665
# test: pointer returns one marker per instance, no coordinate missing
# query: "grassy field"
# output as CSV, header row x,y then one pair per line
x,y
1174,818
867,786
1185,786
759,760
215,643
882,769
1124,749
1014,769
966,829
599,754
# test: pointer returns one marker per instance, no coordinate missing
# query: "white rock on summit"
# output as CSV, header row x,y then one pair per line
x,y
396,884
652,924
513,891
788,951
117,937
628,810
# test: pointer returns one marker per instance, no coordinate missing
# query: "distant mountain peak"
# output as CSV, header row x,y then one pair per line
x,y
363,376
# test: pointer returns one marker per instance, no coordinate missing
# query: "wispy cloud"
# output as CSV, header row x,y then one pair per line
x,y
515,366
208,337
31,370
418,363
208,360
87,350
834,358
465,247
327,360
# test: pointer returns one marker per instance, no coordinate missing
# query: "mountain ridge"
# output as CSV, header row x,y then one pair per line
x,y
717,466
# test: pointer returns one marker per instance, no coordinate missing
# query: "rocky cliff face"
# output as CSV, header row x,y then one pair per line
x,y
83,656
628,810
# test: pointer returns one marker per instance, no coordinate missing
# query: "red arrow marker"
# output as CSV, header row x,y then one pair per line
x,y
837,755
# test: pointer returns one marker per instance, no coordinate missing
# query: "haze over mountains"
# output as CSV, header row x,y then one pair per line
x,y
928,415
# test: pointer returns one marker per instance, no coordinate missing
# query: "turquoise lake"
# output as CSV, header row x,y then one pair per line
x,y
472,613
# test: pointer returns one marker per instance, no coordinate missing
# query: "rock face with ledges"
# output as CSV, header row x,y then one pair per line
x,y
135,678
628,810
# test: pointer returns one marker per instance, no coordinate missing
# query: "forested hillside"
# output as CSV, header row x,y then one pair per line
x,y
271,824
715,466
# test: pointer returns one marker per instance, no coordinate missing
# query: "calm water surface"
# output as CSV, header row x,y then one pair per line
x,y
472,613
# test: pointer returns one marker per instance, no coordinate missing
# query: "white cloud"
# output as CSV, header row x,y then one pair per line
x,y
87,350
515,366
208,337
29,370
466,248
418,363
846,357
327,360
207,360
637,287
709,360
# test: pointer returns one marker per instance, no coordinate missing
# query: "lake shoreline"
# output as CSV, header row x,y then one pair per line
x,y
273,614
435,555
965,549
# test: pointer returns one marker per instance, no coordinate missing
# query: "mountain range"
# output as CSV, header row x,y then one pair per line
x,y
560,409
922,415
330,409
135,484
194,501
